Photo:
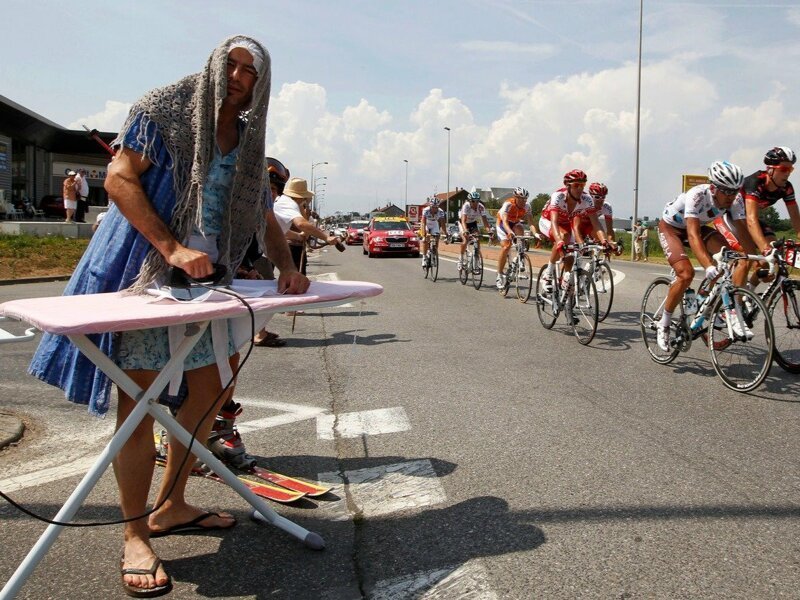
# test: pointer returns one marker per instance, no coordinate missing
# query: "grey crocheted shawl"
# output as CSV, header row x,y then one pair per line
x,y
186,117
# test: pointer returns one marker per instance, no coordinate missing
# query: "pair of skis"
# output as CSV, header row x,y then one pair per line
x,y
262,482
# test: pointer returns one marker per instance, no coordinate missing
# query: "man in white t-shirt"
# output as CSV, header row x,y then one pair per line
x,y
82,194
290,210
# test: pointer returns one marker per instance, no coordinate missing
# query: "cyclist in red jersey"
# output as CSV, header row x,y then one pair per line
x,y
558,218
605,215
765,188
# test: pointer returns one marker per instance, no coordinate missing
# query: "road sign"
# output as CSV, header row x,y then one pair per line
x,y
689,181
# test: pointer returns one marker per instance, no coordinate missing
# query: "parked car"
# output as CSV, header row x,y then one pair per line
x,y
387,235
355,232
53,206
453,234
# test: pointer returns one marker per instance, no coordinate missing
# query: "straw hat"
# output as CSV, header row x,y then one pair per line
x,y
297,187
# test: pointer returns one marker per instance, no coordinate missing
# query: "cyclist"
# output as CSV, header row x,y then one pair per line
x,y
433,223
509,225
559,215
471,212
765,188
684,223
603,210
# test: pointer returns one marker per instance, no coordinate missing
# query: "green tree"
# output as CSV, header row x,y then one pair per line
x,y
538,202
770,217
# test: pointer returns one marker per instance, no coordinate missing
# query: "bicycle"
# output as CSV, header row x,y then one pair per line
x,y
519,269
432,258
782,296
577,299
473,263
742,358
597,264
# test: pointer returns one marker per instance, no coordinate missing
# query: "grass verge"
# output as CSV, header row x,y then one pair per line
x,y
23,256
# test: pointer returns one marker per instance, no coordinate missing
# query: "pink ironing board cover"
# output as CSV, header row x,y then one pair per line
x,y
121,311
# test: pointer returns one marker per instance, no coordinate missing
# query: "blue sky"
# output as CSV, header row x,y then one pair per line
x,y
530,89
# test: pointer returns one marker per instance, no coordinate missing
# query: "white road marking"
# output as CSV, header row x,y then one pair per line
x,y
387,489
291,413
468,582
367,422
77,467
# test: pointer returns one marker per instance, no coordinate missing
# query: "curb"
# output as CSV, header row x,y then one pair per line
x,y
35,279
11,429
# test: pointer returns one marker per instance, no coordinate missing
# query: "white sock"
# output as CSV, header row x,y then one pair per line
x,y
666,319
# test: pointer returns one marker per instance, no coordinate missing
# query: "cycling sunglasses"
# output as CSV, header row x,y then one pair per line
x,y
727,191
784,168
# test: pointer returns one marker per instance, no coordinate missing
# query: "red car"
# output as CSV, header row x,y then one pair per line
x,y
390,235
355,232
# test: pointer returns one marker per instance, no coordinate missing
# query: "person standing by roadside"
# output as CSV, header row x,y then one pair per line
x,y
82,195
190,189
645,238
70,194
636,235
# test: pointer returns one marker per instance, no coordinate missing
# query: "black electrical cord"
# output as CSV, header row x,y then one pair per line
x,y
186,455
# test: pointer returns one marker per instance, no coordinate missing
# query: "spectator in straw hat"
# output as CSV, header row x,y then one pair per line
x,y
290,210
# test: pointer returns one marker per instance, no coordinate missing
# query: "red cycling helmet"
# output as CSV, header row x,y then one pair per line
x,y
575,176
278,173
598,189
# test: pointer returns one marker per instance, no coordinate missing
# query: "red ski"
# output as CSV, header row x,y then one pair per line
x,y
310,489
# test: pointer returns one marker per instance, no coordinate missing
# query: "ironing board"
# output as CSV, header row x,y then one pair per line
x,y
78,316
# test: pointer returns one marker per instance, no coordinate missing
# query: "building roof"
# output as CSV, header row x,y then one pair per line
x,y
25,125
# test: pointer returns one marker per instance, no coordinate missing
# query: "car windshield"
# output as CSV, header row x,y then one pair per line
x,y
387,225
357,225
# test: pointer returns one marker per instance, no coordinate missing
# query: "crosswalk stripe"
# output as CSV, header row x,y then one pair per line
x,y
469,581
367,422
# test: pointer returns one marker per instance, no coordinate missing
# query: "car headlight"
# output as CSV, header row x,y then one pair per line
x,y
378,239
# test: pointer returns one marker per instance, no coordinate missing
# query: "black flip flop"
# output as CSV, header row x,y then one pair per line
x,y
192,526
140,592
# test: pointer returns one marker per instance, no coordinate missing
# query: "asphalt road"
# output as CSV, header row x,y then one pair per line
x,y
474,454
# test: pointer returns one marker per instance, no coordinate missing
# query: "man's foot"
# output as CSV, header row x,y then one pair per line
x,y
662,337
175,519
460,265
500,282
143,575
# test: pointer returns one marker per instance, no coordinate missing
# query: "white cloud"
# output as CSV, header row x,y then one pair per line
x,y
111,118
793,16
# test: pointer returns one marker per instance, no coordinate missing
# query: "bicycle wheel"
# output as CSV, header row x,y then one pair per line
x,y
741,363
477,270
604,282
650,317
784,310
466,267
427,269
545,301
524,278
434,265
582,307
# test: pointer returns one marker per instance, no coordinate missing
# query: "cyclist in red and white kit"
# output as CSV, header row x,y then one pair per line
x,y
558,217
685,222
605,214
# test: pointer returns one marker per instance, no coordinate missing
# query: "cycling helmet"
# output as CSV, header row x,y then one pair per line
x,y
598,189
278,173
474,195
575,176
778,155
521,192
726,175
434,202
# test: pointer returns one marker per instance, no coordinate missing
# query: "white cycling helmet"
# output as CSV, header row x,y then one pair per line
x,y
521,192
474,194
726,175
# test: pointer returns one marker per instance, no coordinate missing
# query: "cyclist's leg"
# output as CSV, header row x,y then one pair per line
x,y
505,245
738,239
545,228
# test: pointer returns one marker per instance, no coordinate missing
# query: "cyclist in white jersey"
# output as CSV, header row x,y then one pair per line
x,y
684,223
433,223
470,214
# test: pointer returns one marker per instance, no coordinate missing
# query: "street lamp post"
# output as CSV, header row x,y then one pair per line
x,y
638,120
406,161
313,165
447,192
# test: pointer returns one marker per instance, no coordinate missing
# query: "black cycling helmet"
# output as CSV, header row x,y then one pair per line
x,y
778,155
278,173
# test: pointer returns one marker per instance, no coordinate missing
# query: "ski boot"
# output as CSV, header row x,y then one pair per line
x,y
226,443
